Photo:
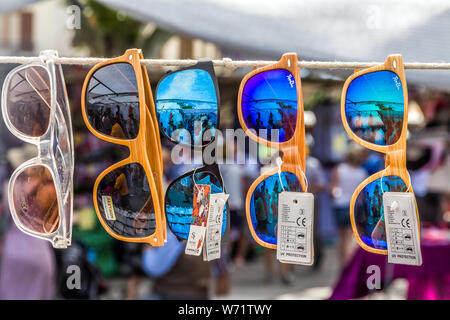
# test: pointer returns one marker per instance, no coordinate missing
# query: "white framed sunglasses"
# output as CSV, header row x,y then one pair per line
x,y
35,109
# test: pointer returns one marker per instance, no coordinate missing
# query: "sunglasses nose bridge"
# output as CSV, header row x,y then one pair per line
x,y
291,154
137,150
396,159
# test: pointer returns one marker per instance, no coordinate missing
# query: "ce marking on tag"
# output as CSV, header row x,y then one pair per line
x,y
301,222
405,223
218,220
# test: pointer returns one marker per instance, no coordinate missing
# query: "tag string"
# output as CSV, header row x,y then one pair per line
x,y
193,178
279,162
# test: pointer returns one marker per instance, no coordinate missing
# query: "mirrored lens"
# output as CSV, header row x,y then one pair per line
x,y
35,200
112,101
369,217
374,107
186,104
264,204
269,104
125,202
180,198
28,101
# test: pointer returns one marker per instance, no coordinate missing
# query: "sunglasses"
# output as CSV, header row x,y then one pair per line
x,y
117,106
374,109
270,110
35,109
187,106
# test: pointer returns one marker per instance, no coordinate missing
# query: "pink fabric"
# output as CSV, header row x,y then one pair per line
x,y
27,267
428,282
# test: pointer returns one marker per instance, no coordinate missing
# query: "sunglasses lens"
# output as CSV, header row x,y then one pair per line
x,y
28,101
368,211
180,198
112,101
35,200
125,202
269,104
374,107
264,204
186,104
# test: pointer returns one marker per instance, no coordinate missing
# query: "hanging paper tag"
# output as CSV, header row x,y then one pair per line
x,y
295,228
214,228
402,228
108,208
199,219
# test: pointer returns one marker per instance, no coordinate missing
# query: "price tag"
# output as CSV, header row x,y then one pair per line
x,y
295,228
199,220
214,228
402,228
108,208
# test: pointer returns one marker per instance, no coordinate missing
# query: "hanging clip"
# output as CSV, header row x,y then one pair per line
x,y
45,55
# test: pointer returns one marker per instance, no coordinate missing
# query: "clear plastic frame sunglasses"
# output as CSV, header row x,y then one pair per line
x,y
35,109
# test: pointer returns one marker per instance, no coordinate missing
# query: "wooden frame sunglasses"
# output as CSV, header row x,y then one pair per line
x,y
394,149
293,150
145,155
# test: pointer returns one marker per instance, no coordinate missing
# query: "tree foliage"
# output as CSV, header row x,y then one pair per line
x,y
106,32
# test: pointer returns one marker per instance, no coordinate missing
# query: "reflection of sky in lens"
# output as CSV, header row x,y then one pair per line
x,y
187,100
180,198
374,107
192,84
269,101
369,210
264,204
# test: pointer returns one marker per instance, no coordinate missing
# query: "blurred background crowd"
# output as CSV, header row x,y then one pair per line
x,y
30,268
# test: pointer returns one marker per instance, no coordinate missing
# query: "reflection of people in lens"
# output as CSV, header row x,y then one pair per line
x,y
258,120
122,186
131,129
38,207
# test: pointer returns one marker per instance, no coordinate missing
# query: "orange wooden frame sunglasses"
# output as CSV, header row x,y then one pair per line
x,y
395,164
293,150
145,149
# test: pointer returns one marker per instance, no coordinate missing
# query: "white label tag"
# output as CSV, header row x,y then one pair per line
x,y
108,208
214,227
194,243
402,228
199,220
295,228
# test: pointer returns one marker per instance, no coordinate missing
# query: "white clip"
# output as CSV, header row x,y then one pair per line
x,y
45,55
228,64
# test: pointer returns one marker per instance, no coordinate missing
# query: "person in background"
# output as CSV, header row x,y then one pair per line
x,y
28,264
176,275
237,178
346,177
316,184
